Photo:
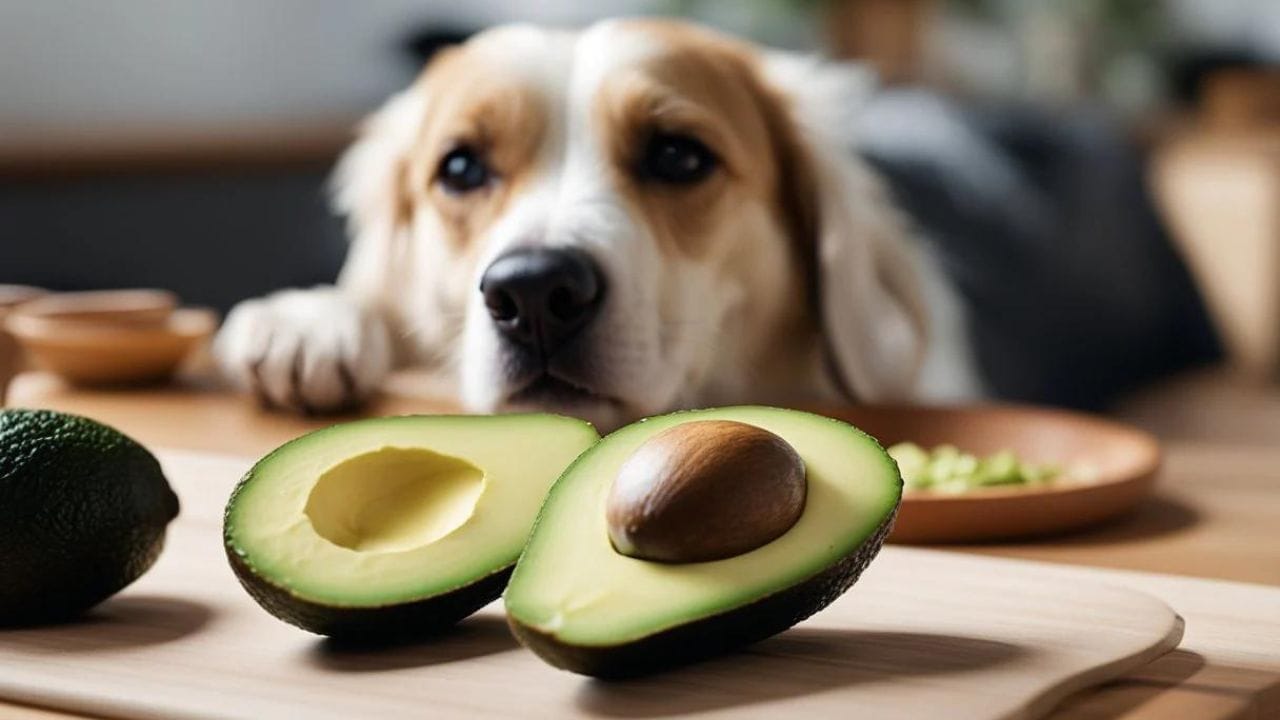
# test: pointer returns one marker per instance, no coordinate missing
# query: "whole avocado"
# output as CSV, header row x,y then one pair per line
x,y
83,512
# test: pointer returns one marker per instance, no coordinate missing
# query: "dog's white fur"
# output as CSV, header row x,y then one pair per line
x,y
675,331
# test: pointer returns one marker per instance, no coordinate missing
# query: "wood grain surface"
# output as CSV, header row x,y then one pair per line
x,y
1213,515
921,631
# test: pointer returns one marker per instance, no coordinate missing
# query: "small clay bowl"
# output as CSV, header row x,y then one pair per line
x,y
13,295
1117,464
102,307
125,340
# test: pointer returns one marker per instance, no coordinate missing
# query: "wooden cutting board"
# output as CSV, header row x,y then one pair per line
x,y
923,634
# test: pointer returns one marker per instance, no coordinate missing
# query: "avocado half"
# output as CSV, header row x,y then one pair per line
x,y
394,527
584,607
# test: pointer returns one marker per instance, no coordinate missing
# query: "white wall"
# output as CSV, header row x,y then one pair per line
x,y
1251,23
77,66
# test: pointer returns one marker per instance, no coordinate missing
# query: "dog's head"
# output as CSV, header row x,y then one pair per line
x,y
628,219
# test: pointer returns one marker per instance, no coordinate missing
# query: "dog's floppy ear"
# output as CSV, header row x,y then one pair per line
x,y
867,294
368,189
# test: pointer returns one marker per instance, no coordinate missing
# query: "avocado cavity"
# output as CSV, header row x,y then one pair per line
x,y
394,499
394,527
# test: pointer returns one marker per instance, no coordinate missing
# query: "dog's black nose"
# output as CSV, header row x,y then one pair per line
x,y
540,297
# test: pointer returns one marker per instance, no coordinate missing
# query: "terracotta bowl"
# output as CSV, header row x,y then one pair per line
x,y
1120,463
11,296
121,345
122,307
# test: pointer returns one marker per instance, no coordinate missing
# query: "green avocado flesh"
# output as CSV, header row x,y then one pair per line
x,y
83,513
585,607
394,526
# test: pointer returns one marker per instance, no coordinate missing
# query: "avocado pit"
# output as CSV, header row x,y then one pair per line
x,y
705,490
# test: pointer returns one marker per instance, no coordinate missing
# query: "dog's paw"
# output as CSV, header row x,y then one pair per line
x,y
308,350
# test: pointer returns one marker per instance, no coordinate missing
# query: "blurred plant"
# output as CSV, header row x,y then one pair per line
x,y
784,23
1070,50
1043,50
1124,24
691,8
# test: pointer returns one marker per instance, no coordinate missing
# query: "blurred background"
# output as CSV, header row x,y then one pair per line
x,y
185,145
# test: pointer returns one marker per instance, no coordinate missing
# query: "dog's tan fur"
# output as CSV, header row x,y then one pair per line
x,y
736,279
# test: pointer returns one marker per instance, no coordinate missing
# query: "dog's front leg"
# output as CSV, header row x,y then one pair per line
x,y
313,351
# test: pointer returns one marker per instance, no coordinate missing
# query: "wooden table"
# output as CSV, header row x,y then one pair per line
x,y
1216,515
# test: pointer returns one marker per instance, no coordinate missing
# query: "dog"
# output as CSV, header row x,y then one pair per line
x,y
615,222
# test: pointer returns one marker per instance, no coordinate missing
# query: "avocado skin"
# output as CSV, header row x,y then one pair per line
x,y
83,512
705,638
398,621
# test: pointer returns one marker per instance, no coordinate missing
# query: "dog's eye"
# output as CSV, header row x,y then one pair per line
x,y
676,160
462,170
